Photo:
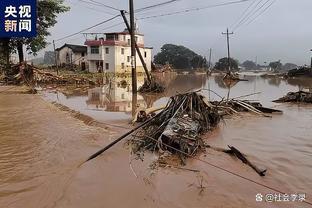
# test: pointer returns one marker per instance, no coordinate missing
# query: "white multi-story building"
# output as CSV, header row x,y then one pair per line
x,y
112,53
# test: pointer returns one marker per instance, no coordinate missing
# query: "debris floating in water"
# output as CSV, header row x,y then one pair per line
x,y
179,125
300,96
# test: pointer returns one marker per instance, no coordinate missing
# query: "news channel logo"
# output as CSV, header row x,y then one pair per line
x,y
18,18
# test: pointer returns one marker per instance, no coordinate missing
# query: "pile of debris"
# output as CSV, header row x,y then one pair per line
x,y
234,106
300,96
31,75
176,131
151,87
302,71
177,128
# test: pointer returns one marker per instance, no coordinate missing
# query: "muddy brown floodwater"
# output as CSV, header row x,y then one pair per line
x,y
42,149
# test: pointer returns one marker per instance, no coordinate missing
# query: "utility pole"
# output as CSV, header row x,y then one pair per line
x,y
137,48
55,58
133,53
228,47
311,59
209,63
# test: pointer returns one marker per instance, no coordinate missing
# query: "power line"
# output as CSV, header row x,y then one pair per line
x,y
246,16
243,14
262,12
193,9
94,9
255,13
155,5
105,5
76,33
102,29
96,3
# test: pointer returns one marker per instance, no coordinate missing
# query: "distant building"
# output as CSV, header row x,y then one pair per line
x,y
70,54
112,52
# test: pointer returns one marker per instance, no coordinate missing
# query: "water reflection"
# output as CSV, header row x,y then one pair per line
x,y
175,84
117,95
275,81
225,83
301,83
114,97
114,100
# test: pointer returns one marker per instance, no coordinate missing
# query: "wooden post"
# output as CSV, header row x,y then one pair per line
x,y
137,48
228,47
210,51
311,60
133,42
55,58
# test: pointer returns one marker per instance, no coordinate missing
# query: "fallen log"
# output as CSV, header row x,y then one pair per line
x,y
239,155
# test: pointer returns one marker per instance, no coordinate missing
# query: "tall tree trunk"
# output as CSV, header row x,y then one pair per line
x,y
20,52
8,52
4,51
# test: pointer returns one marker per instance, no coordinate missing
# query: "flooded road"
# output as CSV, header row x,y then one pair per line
x,y
40,157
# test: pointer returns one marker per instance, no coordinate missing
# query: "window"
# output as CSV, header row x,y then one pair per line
x,y
110,36
107,66
124,38
122,51
129,42
145,54
107,50
122,65
95,50
128,58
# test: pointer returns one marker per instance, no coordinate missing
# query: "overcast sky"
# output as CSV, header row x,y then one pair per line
x,y
283,32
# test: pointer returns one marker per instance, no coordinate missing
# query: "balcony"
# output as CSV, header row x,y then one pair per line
x,y
102,42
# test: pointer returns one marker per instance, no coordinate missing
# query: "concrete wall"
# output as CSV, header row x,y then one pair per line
x,y
109,58
140,38
73,58
125,59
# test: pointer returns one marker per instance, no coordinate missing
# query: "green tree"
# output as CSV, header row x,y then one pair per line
x,y
223,65
289,66
199,62
46,18
249,65
276,65
179,57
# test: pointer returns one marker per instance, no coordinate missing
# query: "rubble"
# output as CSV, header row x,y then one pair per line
x,y
151,87
300,96
302,71
176,131
31,76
